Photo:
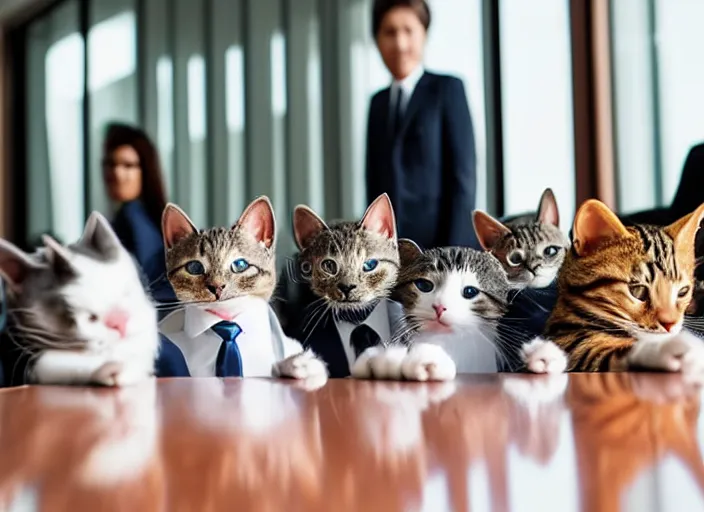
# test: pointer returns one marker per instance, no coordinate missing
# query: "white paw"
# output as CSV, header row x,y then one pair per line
x,y
426,361
683,353
380,363
108,374
542,356
305,365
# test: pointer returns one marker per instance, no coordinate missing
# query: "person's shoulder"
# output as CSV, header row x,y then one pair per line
x,y
697,151
446,82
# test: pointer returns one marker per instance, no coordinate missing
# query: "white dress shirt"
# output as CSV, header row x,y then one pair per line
x,y
406,87
378,319
261,342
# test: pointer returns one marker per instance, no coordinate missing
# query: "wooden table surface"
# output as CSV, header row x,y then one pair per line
x,y
601,442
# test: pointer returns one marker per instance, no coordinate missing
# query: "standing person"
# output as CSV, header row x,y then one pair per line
x,y
420,139
133,178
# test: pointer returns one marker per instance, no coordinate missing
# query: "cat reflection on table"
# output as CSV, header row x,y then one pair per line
x,y
224,278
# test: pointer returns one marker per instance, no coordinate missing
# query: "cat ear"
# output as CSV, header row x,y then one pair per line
x,y
547,209
175,225
379,217
594,223
15,264
408,251
306,225
258,219
489,230
684,231
58,257
99,235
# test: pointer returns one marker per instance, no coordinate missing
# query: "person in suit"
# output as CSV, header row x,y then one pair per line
x,y
420,138
133,179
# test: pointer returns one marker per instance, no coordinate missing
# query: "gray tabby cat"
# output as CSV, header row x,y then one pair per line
x,y
77,314
230,273
531,251
453,299
351,266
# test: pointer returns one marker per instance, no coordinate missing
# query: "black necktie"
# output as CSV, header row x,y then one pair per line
x,y
229,361
398,113
362,338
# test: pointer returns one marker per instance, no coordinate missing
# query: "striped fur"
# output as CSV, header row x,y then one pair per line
x,y
349,265
251,238
620,285
531,249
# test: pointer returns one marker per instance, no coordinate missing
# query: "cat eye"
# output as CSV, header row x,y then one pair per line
x,y
93,317
370,265
329,266
683,292
551,251
469,292
639,291
239,265
515,258
306,268
424,285
195,268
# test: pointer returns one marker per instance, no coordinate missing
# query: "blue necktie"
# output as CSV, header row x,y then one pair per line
x,y
229,361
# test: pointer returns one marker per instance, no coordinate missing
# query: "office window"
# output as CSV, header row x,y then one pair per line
x,y
657,96
56,81
112,81
536,103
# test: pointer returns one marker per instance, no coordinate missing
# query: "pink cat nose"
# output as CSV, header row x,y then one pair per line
x,y
668,325
117,320
439,310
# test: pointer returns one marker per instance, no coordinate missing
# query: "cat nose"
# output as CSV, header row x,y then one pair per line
x,y
346,288
668,325
117,320
216,290
439,310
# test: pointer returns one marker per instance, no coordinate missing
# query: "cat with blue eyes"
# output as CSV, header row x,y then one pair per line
x,y
223,279
336,296
454,299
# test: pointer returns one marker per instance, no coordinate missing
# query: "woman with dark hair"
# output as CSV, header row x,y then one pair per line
x,y
133,178
420,138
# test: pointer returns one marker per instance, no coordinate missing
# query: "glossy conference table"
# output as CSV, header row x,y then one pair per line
x,y
497,442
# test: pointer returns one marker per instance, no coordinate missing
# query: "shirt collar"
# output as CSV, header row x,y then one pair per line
x,y
409,83
198,319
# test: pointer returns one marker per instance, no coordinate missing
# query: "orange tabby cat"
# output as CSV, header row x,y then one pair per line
x,y
623,293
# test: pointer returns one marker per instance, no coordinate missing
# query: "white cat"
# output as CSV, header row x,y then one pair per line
x,y
453,299
78,314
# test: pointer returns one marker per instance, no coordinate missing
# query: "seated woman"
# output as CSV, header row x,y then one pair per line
x,y
134,180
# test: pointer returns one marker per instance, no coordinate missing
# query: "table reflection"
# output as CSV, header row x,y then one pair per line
x,y
497,442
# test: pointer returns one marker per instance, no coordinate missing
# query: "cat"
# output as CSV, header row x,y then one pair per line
x,y
454,297
77,314
346,271
530,250
623,293
220,274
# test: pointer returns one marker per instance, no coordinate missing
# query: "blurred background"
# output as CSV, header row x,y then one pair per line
x,y
248,97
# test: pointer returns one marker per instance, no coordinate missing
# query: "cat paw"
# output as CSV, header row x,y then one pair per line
x,y
108,374
682,353
543,356
383,363
426,361
304,365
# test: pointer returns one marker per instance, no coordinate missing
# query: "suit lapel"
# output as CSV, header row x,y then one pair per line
x,y
325,341
415,102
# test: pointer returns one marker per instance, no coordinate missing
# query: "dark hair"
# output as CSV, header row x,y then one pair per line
x,y
382,7
153,194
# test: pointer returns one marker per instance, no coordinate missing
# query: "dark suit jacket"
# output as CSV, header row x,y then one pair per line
x,y
429,168
143,240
